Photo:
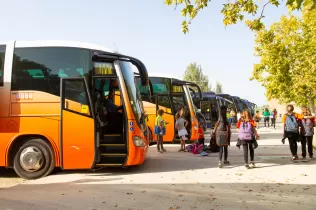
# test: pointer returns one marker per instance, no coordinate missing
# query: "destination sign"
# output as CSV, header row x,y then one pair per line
x,y
103,68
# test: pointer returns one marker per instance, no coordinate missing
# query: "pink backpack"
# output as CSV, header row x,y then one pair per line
x,y
197,148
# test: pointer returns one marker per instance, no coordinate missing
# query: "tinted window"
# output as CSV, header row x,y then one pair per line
x,y
161,85
75,91
2,56
178,102
132,89
41,68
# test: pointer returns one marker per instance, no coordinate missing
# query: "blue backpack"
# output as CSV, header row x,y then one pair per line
x,y
291,124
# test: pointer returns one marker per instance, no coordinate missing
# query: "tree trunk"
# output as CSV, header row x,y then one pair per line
x,y
311,104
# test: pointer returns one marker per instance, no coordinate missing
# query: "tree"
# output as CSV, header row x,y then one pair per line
x,y
218,88
235,11
287,66
194,73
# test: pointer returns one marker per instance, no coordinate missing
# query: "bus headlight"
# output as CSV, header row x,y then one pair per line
x,y
138,142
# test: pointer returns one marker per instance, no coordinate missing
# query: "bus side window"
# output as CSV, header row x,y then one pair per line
x,y
76,97
2,56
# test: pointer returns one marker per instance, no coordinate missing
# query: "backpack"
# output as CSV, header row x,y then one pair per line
x,y
307,127
291,124
197,148
245,131
221,134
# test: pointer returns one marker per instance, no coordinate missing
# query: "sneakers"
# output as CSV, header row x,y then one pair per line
x,y
304,159
158,150
220,164
311,156
247,166
226,162
164,150
252,164
295,158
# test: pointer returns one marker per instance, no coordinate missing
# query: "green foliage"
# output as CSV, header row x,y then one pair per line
x,y
288,59
235,11
194,73
218,88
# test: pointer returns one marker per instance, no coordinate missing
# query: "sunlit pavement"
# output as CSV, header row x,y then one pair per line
x,y
175,180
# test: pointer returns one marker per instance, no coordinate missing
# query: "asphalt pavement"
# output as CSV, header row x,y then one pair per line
x,y
176,180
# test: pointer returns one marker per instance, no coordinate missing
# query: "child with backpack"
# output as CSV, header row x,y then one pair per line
x,y
222,134
247,136
181,124
307,133
291,122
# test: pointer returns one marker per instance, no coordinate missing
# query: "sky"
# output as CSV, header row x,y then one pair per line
x,y
148,30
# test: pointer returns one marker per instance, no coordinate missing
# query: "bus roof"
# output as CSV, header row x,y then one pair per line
x,y
164,76
60,43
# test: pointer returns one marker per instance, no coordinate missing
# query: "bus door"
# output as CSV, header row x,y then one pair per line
x,y
77,132
179,101
163,102
205,107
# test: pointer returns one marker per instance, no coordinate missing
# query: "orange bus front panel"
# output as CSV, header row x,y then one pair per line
x,y
136,155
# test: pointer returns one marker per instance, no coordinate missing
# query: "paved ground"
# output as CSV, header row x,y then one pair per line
x,y
175,180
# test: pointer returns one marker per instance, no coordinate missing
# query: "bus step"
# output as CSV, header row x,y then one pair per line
x,y
109,165
113,139
113,148
114,154
113,159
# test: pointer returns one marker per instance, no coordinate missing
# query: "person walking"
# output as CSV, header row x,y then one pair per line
x,y
273,115
257,119
246,137
266,115
222,134
291,129
160,130
307,133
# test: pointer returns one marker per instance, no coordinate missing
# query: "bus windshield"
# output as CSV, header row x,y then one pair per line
x,y
132,89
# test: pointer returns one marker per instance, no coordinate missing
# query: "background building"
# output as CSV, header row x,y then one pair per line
x,y
281,108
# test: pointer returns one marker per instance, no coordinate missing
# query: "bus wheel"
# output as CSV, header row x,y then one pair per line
x,y
34,159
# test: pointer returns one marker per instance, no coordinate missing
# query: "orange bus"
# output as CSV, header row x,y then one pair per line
x,y
169,94
70,105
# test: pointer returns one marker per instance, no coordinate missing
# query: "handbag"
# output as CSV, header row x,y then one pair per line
x,y
159,131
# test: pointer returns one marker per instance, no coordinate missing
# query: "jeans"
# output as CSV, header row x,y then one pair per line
x,y
309,141
251,151
293,144
273,122
266,120
220,154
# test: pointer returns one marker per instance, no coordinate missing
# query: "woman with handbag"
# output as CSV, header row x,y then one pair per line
x,y
160,130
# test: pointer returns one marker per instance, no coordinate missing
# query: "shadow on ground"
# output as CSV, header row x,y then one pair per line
x,y
179,161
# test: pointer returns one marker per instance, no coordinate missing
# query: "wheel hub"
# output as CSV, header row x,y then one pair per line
x,y
31,159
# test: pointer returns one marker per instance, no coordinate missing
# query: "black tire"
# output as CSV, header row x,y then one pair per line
x,y
48,162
